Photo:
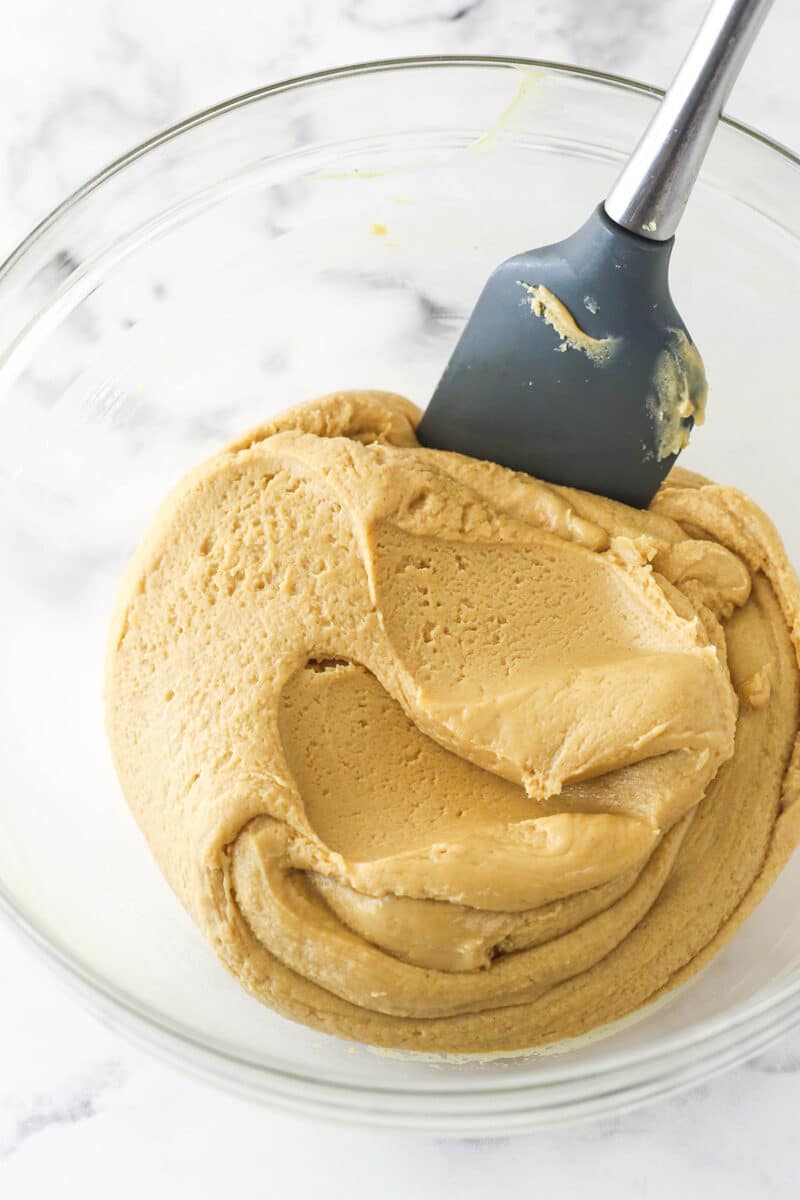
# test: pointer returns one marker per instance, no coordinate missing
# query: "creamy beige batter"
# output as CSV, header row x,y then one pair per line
x,y
441,757
545,304
679,391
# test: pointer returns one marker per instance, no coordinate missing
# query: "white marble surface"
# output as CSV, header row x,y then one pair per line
x,y
81,1112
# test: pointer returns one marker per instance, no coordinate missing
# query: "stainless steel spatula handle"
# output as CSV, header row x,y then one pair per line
x,y
652,190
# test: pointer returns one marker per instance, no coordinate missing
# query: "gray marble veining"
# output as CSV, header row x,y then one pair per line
x,y
75,1101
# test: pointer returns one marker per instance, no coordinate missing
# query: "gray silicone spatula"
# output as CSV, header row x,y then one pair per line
x,y
575,364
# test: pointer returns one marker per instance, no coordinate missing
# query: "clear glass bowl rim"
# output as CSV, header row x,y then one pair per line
x,y
128,1014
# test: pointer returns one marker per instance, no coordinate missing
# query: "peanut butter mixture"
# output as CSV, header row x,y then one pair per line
x,y
444,758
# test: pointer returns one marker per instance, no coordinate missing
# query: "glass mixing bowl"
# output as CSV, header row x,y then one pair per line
x,y
333,232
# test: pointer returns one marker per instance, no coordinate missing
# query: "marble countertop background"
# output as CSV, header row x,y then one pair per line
x,y
81,1112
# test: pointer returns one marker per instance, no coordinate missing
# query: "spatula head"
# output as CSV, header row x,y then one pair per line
x,y
576,367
